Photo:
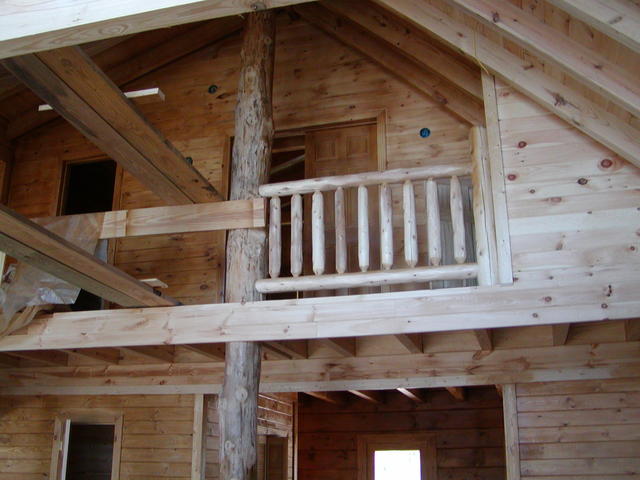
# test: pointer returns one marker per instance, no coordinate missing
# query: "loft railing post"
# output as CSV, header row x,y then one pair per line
x,y
317,232
434,244
457,221
386,227
410,228
341,232
363,228
296,234
275,237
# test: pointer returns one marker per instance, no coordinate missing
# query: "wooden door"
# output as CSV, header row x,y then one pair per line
x,y
342,151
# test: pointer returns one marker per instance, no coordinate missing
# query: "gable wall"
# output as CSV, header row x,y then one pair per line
x,y
317,81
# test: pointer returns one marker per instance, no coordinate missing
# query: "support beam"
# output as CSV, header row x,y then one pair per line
x,y
7,360
580,62
525,77
155,353
345,347
293,348
336,398
618,19
414,394
199,437
147,95
632,330
247,249
371,396
75,87
468,308
28,27
560,333
511,432
215,352
53,357
27,241
102,355
456,392
413,342
483,336
395,62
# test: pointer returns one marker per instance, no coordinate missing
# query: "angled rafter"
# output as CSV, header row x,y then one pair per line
x,y
7,360
52,357
632,330
560,333
604,127
456,392
213,351
29,27
336,398
413,342
484,339
345,347
105,355
582,63
149,60
371,396
31,243
392,60
293,349
70,82
153,352
414,394
619,19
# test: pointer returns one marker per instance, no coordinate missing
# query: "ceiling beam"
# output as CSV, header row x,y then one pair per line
x,y
27,241
618,19
103,355
149,60
336,398
632,330
525,77
456,392
412,342
293,348
560,333
53,357
345,347
371,396
214,351
72,84
31,27
580,62
483,337
414,394
395,62
155,353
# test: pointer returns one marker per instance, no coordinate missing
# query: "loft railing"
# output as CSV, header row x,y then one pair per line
x,y
414,268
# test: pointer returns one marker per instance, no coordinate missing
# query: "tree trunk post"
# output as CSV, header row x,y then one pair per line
x,y
247,248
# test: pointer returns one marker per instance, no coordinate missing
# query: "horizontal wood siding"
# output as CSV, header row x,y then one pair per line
x,y
469,433
156,439
583,429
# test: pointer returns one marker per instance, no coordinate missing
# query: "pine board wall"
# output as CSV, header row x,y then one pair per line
x,y
579,430
469,433
317,81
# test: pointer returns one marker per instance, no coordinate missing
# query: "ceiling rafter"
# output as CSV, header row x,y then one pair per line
x,y
556,97
580,62
392,59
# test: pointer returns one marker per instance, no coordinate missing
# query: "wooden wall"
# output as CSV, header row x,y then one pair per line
x,y
580,430
469,433
156,441
317,81
572,204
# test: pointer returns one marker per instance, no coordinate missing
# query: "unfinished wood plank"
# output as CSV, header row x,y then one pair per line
x,y
456,392
578,111
335,398
483,337
411,342
146,95
377,278
52,357
102,355
152,352
560,333
394,61
275,237
29,28
363,228
414,394
618,19
371,396
296,235
457,221
214,351
580,62
29,242
341,231
511,431
199,435
293,348
632,330
345,347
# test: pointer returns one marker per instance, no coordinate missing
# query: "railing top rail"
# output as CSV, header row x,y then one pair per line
x,y
398,175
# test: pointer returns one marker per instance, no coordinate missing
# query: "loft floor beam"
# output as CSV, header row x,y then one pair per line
x,y
28,27
556,97
75,87
395,62
27,241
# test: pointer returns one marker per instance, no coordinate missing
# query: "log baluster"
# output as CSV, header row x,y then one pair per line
x,y
433,222
363,228
317,232
275,237
341,232
296,235
457,221
410,228
386,227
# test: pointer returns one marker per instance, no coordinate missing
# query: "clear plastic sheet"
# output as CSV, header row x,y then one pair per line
x,y
24,285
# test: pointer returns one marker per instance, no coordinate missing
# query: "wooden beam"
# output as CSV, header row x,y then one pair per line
x,y
214,351
560,333
395,62
412,342
336,398
414,394
247,249
632,330
27,241
618,19
456,392
68,80
580,62
30,28
371,396
426,371
202,217
511,432
525,77
7,360
103,355
483,336
293,348
53,357
199,437
146,95
345,347
152,352
467,308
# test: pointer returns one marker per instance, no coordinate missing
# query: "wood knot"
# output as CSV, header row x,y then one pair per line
x,y
604,305
522,144
512,176
555,200
606,163
242,394
495,17
547,299
582,181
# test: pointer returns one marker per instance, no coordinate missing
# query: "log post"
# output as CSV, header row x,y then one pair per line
x,y
246,248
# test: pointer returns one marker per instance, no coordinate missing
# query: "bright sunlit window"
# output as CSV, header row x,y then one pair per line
x,y
397,464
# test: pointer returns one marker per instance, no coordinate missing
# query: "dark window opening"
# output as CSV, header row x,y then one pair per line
x,y
88,188
90,452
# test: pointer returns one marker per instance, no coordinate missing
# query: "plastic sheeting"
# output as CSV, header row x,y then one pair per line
x,y
25,285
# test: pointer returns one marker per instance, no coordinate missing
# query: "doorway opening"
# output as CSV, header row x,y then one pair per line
x,y
90,452
88,187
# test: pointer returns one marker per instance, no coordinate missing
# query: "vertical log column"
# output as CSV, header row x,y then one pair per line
x,y
246,248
